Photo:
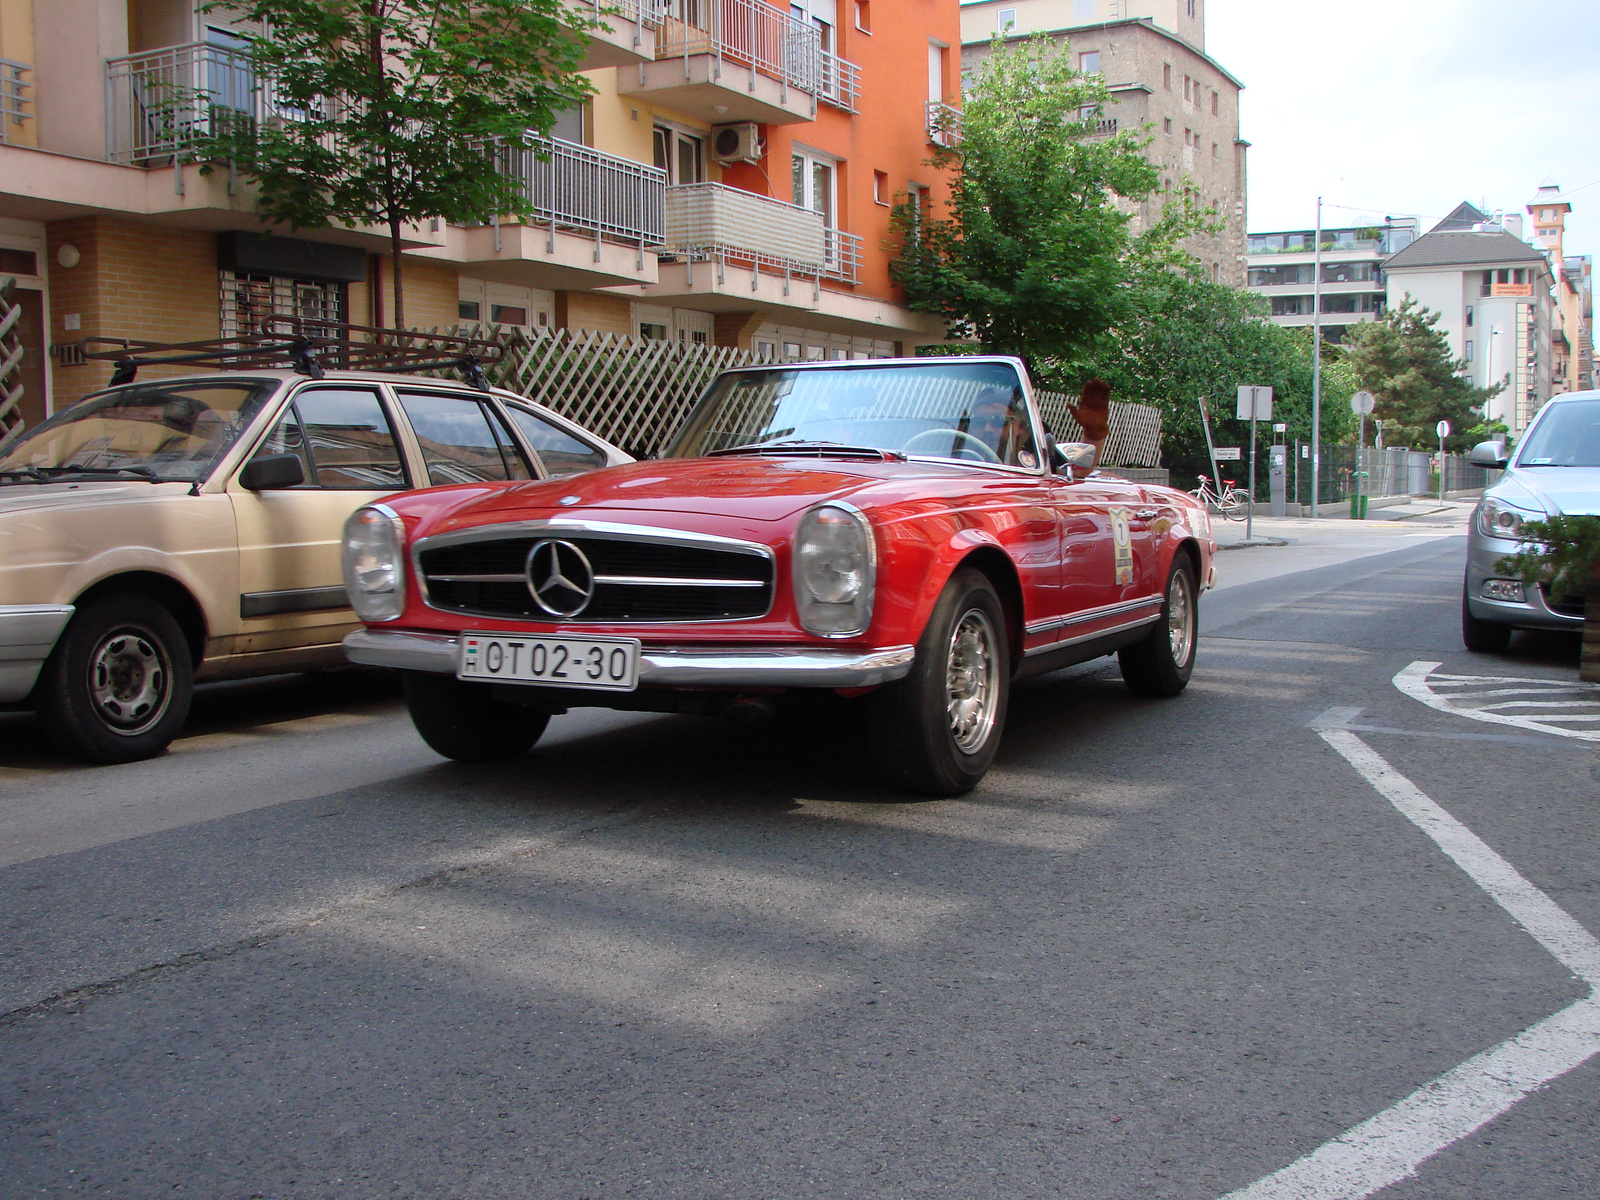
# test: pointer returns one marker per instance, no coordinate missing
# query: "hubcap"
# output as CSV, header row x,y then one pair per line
x,y
971,687
129,681
1180,618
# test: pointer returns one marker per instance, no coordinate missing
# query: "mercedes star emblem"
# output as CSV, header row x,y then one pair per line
x,y
560,578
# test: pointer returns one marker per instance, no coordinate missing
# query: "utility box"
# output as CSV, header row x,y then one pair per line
x,y
1277,480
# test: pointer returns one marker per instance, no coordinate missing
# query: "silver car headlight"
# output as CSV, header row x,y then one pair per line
x,y
835,566
374,563
1497,519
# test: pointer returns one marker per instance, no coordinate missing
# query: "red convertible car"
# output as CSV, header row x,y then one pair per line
x,y
904,533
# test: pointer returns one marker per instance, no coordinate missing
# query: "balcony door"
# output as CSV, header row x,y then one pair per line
x,y
816,182
681,154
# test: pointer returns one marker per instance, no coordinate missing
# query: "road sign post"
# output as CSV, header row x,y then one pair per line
x,y
1255,403
1443,430
1361,404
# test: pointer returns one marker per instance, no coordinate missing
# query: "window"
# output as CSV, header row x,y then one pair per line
x,y
1089,62
560,453
680,154
249,300
1469,350
461,440
864,15
343,439
1007,19
1469,319
880,187
1191,7
1215,104
814,188
1166,126
917,201
1188,85
1166,76
1215,151
504,304
938,54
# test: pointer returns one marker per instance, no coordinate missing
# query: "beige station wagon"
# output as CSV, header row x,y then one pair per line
x,y
172,531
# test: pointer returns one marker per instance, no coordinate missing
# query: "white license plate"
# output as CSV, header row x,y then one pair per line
x,y
606,664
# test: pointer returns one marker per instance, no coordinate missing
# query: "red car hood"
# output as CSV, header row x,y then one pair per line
x,y
749,488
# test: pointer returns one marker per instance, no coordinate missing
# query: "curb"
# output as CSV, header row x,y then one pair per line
x,y
1221,546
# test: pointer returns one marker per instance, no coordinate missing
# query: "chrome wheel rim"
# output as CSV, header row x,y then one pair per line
x,y
130,681
972,685
1180,618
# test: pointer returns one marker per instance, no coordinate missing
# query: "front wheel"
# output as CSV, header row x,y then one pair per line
x,y
1161,664
1484,637
935,732
464,721
117,687
1235,505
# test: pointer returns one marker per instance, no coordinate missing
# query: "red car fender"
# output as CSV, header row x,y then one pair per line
x,y
908,554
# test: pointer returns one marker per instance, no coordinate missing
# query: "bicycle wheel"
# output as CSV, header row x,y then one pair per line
x,y
1235,504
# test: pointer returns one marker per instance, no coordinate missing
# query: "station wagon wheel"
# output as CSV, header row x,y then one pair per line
x,y
935,732
117,687
1161,664
464,721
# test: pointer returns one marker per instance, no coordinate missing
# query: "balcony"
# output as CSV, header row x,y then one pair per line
x,y
944,125
732,249
160,101
627,36
741,60
15,104
594,218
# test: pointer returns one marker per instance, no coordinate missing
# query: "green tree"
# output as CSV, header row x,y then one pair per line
x,y
1405,362
1035,253
384,111
1186,337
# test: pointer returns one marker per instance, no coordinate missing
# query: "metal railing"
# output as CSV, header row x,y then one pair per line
x,y
639,12
15,102
944,124
727,225
160,101
757,36
575,187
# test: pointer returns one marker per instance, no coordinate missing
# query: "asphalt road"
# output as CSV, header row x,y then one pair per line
x,y
1168,949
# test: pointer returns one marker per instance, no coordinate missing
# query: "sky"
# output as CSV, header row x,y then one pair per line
x,y
1408,107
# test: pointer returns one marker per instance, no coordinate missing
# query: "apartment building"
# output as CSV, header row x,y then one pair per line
x,y
1493,292
1573,335
1283,271
729,182
1152,55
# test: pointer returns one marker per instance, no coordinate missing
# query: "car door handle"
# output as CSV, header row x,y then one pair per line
x,y
1146,514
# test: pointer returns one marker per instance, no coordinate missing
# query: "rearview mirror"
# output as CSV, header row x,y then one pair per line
x,y
271,471
1489,454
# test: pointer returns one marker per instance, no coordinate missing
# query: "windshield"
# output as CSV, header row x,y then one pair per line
x,y
969,412
1567,435
170,431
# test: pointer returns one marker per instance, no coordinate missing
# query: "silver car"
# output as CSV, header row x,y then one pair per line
x,y
1555,472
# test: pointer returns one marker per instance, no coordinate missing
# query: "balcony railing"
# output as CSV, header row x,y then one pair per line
x,y
710,221
575,188
638,12
755,35
15,103
944,124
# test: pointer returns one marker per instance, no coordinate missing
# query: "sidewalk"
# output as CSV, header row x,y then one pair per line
x,y
1434,516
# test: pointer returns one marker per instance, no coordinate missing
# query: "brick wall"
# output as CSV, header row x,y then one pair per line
x,y
586,310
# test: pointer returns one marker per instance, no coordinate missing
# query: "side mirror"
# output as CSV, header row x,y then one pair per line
x,y
271,471
1074,456
1489,454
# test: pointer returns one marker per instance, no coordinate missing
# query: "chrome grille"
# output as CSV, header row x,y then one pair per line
x,y
635,580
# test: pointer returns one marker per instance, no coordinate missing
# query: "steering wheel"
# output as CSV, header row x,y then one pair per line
x,y
970,447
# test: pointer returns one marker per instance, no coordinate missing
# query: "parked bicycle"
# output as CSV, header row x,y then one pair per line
x,y
1233,503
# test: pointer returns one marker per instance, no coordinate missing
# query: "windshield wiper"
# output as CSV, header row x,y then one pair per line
x,y
817,449
77,469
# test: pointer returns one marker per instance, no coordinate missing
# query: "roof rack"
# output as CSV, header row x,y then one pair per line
x,y
308,345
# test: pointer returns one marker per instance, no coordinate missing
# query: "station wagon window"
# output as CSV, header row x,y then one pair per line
x,y
343,438
560,452
462,442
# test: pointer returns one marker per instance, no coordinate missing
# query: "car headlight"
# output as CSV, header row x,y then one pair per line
x,y
374,563
835,563
1497,519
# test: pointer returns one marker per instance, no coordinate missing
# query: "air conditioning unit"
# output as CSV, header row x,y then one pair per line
x,y
737,143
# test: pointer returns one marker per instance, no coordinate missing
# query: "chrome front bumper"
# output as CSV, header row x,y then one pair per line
x,y
28,633
672,666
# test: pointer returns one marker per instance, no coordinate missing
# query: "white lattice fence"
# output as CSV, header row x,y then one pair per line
x,y
10,360
636,393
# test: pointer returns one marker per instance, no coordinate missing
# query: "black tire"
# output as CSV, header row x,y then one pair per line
x,y
1485,637
1161,664
935,732
464,721
118,685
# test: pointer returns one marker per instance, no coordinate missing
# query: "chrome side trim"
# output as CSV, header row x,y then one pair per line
x,y
1089,637
569,526
669,666
1093,614
28,632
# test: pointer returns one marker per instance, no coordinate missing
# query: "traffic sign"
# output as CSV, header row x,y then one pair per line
x,y
1230,453
1255,403
1362,403
1280,429
1442,429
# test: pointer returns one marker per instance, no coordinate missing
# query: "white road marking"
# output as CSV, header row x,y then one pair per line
x,y
1391,1146
1473,697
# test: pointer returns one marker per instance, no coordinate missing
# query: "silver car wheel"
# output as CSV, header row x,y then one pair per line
x,y
130,681
971,676
1180,617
